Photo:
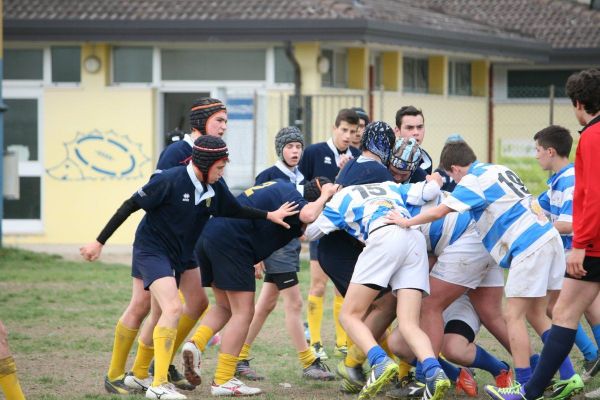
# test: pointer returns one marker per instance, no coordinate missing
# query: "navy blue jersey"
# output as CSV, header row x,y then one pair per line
x,y
173,221
319,160
175,154
426,164
418,175
363,170
272,173
260,236
448,183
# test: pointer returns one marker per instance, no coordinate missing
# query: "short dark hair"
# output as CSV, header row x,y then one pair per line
x,y
584,87
407,110
348,115
456,153
555,137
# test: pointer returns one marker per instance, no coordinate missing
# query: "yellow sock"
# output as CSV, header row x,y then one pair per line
x,y
340,333
355,357
124,338
306,357
186,324
143,358
315,316
404,369
164,339
202,336
8,379
245,353
225,368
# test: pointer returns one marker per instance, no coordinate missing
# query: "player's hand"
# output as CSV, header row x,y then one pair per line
x,y
329,189
435,177
394,217
259,270
575,263
91,251
282,212
344,158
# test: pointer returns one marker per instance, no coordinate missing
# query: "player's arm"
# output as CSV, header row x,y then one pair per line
x,y
311,211
564,227
430,215
92,250
322,226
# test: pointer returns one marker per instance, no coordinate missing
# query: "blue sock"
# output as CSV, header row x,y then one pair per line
x,y
565,371
585,344
430,365
557,346
523,375
534,360
487,362
450,369
419,375
376,355
596,333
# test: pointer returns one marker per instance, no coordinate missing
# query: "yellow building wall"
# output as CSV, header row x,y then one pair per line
x,y
358,68
75,210
443,116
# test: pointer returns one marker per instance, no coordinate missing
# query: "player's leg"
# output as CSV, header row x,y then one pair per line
x,y
232,340
125,334
314,309
442,295
165,296
213,321
9,382
266,303
195,304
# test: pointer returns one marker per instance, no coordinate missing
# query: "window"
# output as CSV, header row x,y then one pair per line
x,y
214,65
459,78
66,64
415,74
536,83
24,64
336,76
132,64
284,70
21,137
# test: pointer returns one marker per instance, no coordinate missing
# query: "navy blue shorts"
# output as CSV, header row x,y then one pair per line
x,y
313,250
338,253
150,266
225,267
286,259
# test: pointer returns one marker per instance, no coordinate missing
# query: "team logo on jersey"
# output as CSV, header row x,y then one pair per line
x,y
327,160
186,197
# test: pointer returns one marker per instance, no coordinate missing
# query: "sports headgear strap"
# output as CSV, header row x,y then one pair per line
x,y
202,110
379,139
407,154
287,135
207,151
312,190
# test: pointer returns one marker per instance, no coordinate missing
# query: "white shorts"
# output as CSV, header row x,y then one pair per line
x,y
461,309
467,263
396,257
538,272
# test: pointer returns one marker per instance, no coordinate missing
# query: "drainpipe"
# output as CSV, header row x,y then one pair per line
x,y
298,112
490,152
2,109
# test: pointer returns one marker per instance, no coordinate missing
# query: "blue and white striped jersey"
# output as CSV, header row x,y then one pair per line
x,y
557,201
443,232
503,211
359,209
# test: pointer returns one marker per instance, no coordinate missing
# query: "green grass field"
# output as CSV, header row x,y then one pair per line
x,y
61,317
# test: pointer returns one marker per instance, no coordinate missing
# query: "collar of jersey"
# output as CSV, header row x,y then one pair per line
x,y
295,175
559,173
188,139
199,193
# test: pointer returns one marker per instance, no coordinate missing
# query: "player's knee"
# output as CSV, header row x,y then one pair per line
x,y
173,308
294,306
138,308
